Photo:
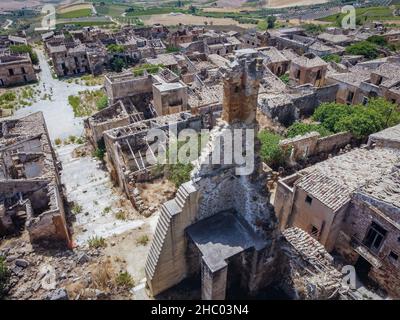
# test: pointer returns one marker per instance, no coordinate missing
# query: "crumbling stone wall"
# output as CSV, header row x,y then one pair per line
x,y
312,144
298,104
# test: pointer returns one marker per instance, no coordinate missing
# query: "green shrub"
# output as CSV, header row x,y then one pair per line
x,y
99,153
143,240
117,64
360,120
76,208
8,96
367,49
115,48
57,141
271,153
378,40
125,280
332,58
330,113
97,242
121,215
285,78
300,129
102,103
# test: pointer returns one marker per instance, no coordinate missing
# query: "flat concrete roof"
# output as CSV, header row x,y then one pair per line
x,y
223,236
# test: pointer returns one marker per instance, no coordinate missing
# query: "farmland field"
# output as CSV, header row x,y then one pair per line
x,y
75,14
368,14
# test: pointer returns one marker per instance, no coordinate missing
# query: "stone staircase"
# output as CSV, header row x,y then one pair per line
x,y
167,211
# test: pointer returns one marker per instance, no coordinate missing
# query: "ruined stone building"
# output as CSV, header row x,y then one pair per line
x,y
88,50
308,68
212,42
288,104
184,34
366,81
132,157
30,189
349,204
275,60
255,39
15,68
227,243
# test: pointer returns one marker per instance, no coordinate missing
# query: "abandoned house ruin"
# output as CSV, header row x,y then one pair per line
x,y
30,190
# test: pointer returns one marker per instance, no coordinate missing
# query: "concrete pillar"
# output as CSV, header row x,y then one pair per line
x,y
213,284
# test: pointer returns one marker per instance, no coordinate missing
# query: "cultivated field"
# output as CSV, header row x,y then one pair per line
x,y
75,7
169,19
229,4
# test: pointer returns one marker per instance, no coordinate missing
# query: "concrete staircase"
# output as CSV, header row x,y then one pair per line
x,y
167,212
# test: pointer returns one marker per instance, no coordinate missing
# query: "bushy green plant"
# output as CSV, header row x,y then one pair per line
x,y
367,49
360,120
125,280
332,58
102,103
115,48
97,242
271,153
299,128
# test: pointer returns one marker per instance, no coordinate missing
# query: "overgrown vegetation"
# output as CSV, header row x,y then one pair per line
x,y
125,280
143,240
4,276
102,103
285,78
178,172
115,48
99,153
332,58
360,120
299,129
364,48
88,102
150,68
313,29
271,153
76,208
97,242
121,215
24,48
117,64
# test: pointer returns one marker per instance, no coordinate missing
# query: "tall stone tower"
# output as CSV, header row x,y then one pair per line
x,y
241,84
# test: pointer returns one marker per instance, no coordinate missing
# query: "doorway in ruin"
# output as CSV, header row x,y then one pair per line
x,y
363,267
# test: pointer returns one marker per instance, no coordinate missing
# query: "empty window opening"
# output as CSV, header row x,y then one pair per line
x,y
375,237
309,199
393,256
350,97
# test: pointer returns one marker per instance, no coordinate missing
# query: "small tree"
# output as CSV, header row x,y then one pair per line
x,y
271,153
117,64
271,22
